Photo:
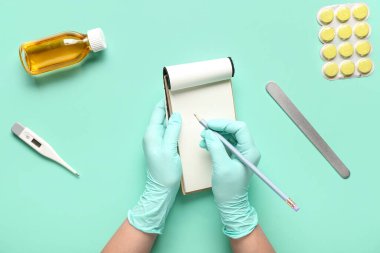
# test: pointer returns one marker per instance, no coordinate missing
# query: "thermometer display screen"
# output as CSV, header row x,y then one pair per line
x,y
35,142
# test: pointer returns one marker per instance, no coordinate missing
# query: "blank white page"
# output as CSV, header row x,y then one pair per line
x,y
209,101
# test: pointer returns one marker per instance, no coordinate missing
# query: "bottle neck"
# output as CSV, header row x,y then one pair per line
x,y
87,42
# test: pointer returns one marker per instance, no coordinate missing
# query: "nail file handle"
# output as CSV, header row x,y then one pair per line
x,y
308,130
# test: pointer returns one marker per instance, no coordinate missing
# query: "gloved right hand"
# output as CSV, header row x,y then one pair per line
x,y
230,179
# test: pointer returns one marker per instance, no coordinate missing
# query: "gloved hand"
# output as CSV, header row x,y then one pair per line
x,y
163,174
230,179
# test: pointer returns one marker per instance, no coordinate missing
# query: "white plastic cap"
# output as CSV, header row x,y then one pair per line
x,y
96,39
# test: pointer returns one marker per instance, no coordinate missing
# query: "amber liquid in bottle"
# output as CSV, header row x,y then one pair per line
x,y
54,52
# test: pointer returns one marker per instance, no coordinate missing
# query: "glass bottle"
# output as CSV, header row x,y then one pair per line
x,y
60,50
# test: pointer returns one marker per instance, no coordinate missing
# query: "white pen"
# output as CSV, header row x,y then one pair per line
x,y
251,166
40,145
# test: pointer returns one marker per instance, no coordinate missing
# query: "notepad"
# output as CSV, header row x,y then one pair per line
x,y
203,88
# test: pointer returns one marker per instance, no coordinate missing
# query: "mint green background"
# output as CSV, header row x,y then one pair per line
x,y
95,116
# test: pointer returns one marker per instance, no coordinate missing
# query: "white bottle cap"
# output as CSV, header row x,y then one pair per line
x,y
96,39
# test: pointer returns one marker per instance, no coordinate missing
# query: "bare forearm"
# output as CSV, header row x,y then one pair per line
x,y
128,239
255,242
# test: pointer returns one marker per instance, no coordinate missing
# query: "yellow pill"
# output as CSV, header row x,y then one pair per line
x,y
363,48
327,34
343,14
347,68
326,16
346,50
360,12
344,32
330,69
365,66
329,52
361,30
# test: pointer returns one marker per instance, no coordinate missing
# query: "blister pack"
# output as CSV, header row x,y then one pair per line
x,y
344,34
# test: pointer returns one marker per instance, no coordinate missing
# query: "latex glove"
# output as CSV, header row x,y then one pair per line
x,y
163,174
230,179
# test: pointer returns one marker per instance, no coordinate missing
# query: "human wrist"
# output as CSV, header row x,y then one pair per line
x,y
238,216
150,212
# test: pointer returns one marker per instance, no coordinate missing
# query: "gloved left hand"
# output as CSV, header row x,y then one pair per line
x,y
163,173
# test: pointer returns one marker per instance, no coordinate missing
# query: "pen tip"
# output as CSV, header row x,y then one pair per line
x,y
196,116
292,204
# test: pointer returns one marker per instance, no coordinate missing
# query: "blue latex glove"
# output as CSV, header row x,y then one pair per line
x,y
230,179
163,174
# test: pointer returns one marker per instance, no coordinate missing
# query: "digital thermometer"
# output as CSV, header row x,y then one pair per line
x,y
41,146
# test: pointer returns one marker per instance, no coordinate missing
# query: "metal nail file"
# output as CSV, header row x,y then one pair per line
x,y
303,124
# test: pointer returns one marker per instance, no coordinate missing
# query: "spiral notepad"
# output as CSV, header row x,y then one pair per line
x,y
205,88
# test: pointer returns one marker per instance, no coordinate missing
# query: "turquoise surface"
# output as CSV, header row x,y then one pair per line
x,y
95,116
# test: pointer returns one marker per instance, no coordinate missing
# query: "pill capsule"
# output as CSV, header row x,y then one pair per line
x,y
329,52
344,32
347,68
346,50
343,14
360,12
330,69
364,66
363,48
361,30
326,16
327,34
